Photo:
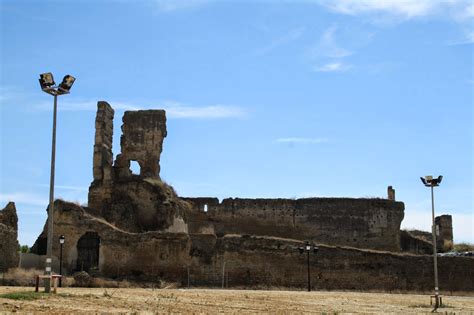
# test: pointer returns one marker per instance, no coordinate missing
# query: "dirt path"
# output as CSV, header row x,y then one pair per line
x,y
227,301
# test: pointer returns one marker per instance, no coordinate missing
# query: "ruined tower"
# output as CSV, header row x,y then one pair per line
x,y
133,202
142,141
444,228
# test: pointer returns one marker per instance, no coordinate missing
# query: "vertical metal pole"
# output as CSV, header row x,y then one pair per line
x,y
61,265
189,280
435,252
309,274
223,275
49,248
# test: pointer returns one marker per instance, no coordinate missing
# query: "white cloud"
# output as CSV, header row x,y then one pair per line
x,y
9,93
24,198
328,46
405,9
467,39
174,5
294,140
65,187
333,67
286,38
173,109
177,110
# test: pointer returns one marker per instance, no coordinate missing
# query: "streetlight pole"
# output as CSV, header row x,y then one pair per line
x,y
49,86
431,182
307,248
61,243
49,247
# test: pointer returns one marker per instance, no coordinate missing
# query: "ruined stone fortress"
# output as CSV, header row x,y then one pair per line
x,y
135,226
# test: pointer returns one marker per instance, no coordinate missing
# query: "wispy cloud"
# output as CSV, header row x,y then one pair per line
x,y
285,39
402,9
329,53
467,39
295,140
65,187
24,198
174,110
333,67
9,93
328,47
175,5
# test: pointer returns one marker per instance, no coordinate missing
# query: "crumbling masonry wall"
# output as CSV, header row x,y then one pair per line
x,y
444,237
133,202
9,246
142,141
363,223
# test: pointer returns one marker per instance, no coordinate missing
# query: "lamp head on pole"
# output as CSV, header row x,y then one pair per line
x,y
66,85
62,239
46,81
429,181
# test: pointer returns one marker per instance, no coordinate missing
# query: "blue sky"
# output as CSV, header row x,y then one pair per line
x,y
264,98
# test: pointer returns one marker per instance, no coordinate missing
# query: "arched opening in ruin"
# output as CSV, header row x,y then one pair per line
x,y
88,251
135,167
205,208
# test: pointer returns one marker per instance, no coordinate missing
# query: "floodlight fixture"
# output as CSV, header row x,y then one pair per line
x,y
66,85
46,81
429,181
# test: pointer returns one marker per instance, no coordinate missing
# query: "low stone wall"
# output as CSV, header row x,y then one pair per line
x,y
273,262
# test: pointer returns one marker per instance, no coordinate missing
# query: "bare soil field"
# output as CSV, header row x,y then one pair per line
x,y
143,301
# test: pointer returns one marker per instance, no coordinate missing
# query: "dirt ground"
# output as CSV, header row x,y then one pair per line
x,y
141,301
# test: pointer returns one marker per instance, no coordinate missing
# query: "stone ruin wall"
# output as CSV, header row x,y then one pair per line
x,y
363,223
250,261
9,246
133,202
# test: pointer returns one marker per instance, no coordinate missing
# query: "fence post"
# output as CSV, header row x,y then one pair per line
x,y
188,277
223,274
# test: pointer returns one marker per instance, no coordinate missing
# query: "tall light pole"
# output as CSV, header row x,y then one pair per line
x,y
307,248
429,181
49,86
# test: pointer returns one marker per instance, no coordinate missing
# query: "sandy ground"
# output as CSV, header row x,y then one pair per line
x,y
86,300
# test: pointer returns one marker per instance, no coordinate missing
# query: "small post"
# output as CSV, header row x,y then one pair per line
x,y
189,282
309,274
223,275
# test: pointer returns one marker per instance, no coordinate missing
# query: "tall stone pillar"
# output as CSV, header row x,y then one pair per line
x,y
103,156
390,193
444,228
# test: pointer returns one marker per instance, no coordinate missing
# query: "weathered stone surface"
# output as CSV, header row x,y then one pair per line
x,y
249,260
103,157
390,193
142,141
9,245
412,243
364,223
444,239
421,242
135,203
